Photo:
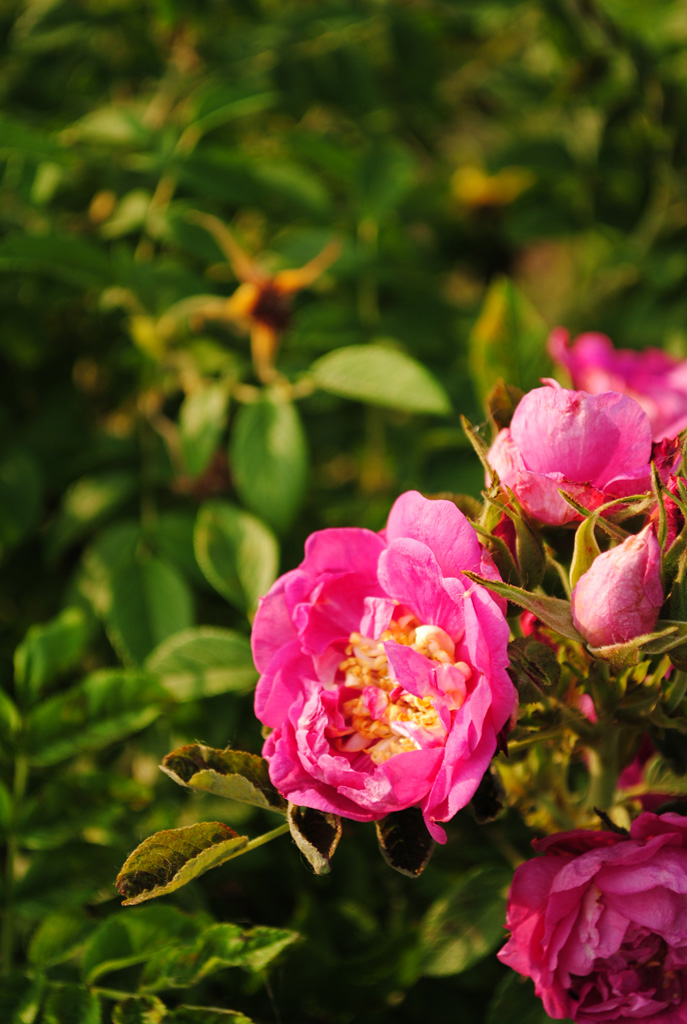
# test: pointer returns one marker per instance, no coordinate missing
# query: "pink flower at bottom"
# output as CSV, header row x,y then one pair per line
x,y
383,668
599,922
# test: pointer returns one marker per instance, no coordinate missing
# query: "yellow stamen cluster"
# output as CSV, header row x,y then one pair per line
x,y
378,729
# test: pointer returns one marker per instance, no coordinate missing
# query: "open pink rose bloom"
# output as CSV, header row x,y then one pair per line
x,y
653,378
599,921
593,447
383,668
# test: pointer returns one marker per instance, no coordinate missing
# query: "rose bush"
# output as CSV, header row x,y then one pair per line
x,y
383,668
599,921
594,447
653,378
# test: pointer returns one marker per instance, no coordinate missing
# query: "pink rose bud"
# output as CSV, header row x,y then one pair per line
x,y
593,447
619,598
599,922
653,378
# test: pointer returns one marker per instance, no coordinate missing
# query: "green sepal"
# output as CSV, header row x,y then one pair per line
x,y
316,834
404,842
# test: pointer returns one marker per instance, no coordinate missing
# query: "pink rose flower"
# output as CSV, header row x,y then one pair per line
x,y
383,668
599,922
594,447
653,378
620,596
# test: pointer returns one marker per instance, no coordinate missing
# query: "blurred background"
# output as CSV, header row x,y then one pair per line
x,y
476,172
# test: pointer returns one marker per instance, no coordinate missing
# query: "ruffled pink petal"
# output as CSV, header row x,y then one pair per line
x,y
272,626
409,572
344,549
335,610
439,525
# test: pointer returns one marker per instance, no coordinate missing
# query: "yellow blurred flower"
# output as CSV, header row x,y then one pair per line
x,y
474,187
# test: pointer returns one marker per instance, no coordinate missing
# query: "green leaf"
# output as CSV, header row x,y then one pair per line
x,y
552,611
134,936
232,774
586,550
202,419
467,922
49,650
23,139
170,859
507,341
150,602
534,669
205,1015
140,1010
203,662
20,998
59,936
87,503
102,708
238,554
316,834
218,947
20,497
10,717
387,173
514,1000
268,457
115,546
380,376
404,842
71,1004
64,257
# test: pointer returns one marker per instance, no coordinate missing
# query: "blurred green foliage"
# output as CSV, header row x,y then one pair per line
x,y
490,168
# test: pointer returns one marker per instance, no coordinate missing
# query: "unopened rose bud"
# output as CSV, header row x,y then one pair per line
x,y
619,598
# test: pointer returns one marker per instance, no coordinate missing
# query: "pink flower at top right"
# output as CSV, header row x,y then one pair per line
x,y
657,381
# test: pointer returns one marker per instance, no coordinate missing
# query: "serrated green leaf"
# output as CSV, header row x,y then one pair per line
x,y
238,554
380,376
404,842
552,611
202,662
50,649
316,834
172,858
202,419
218,947
135,936
71,1004
150,602
140,1010
232,774
467,922
102,708
268,458
59,937
87,503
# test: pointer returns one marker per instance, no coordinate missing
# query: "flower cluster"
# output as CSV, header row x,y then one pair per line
x,y
391,674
